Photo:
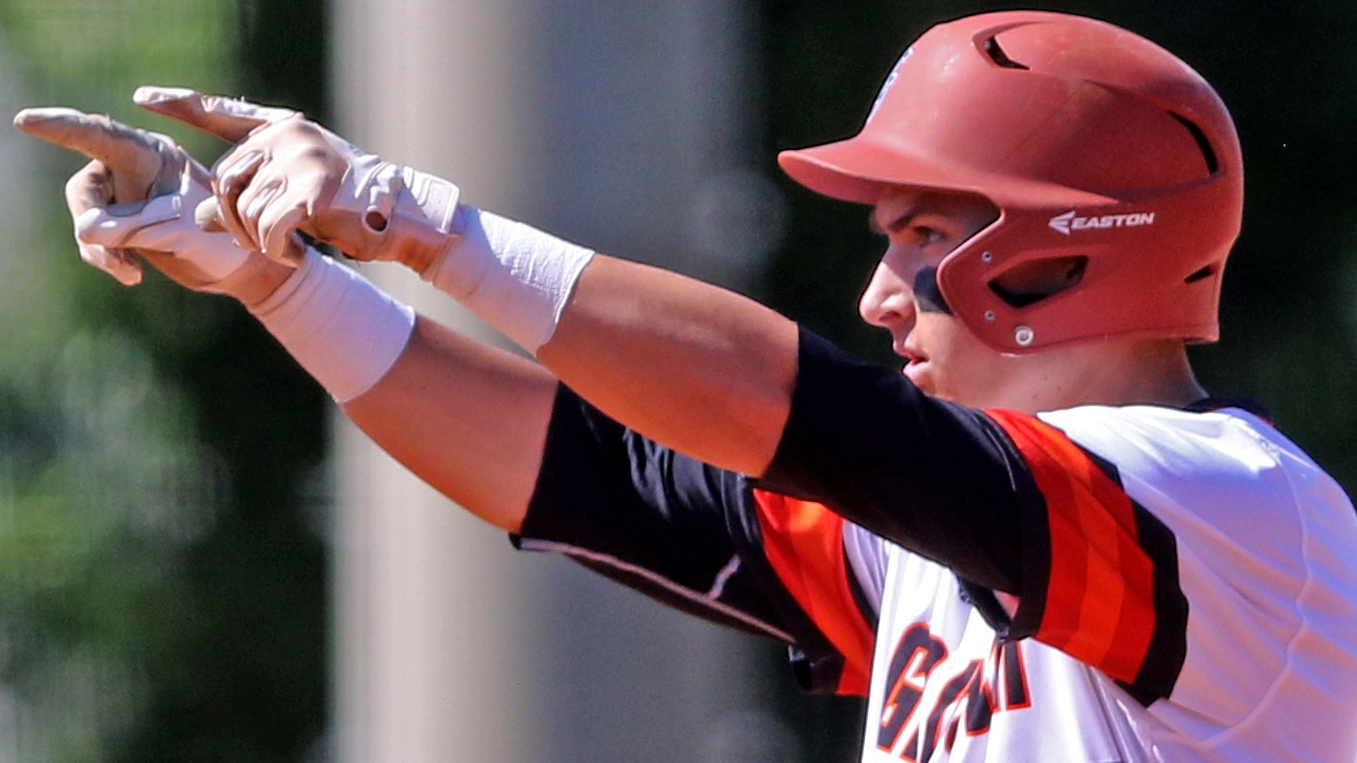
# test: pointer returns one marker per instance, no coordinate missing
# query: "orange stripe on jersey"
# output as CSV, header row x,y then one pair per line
x,y
1100,605
803,542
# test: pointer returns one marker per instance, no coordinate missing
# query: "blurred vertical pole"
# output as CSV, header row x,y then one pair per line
x,y
625,126
435,623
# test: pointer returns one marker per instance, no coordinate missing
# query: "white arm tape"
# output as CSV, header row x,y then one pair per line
x,y
513,276
343,330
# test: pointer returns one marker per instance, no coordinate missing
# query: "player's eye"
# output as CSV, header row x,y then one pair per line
x,y
924,235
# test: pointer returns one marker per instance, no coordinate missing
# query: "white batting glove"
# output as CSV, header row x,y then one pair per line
x,y
289,174
139,193
166,223
145,194
292,175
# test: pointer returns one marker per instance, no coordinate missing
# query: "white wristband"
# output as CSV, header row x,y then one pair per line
x,y
515,277
343,330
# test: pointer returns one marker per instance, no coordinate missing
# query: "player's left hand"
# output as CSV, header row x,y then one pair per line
x,y
137,200
129,165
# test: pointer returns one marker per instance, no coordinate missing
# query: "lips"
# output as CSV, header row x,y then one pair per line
x,y
909,351
916,366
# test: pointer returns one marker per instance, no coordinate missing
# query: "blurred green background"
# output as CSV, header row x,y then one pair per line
x,y
162,581
162,498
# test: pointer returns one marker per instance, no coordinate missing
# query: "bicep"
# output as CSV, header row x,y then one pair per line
x,y
1008,502
698,538
701,369
647,516
936,478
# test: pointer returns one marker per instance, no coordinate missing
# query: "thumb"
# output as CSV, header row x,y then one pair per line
x,y
227,118
115,225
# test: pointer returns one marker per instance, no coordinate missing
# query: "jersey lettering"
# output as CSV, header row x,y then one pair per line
x,y
970,696
914,659
954,695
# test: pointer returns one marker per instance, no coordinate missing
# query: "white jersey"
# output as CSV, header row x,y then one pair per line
x,y
1266,555
1184,582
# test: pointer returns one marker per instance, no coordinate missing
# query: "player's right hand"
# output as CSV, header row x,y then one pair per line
x,y
288,174
136,200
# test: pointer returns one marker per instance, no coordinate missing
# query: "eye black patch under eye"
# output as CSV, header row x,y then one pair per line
x,y
927,294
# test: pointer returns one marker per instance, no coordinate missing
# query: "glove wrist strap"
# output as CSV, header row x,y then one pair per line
x,y
409,218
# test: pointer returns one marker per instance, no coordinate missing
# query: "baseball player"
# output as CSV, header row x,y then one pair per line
x,y
1042,541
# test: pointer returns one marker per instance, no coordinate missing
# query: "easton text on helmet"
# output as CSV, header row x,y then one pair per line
x,y
1069,222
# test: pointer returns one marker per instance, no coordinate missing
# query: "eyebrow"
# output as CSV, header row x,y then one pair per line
x,y
900,222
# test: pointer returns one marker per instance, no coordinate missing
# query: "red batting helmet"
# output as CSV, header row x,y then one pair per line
x,y
1093,142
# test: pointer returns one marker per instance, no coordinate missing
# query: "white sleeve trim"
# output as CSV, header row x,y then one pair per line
x,y
708,600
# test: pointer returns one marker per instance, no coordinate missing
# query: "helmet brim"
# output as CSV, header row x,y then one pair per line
x,y
860,169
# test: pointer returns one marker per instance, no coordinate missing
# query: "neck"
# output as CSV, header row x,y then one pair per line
x,y
1145,372
1160,375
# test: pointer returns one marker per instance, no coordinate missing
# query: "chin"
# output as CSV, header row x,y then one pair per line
x,y
920,376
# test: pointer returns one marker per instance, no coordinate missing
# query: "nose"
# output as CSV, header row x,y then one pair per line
x,y
888,300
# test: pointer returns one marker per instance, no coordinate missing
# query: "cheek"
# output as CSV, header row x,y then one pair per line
x,y
944,338
965,370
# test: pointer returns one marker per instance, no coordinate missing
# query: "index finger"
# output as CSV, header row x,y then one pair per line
x,y
227,118
123,149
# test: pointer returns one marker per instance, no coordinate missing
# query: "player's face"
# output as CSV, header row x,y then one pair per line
x,y
944,358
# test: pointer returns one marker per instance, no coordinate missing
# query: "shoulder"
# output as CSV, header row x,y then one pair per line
x,y
1263,541
1227,469
1149,438
1205,452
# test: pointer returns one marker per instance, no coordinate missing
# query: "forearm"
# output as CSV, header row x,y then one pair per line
x,y
690,365
467,418
698,368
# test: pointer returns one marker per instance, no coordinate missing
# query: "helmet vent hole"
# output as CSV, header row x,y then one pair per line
x,y
998,56
1212,164
1205,272
1030,282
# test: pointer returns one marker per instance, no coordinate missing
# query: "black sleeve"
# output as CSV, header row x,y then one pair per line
x,y
937,478
688,534
655,520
